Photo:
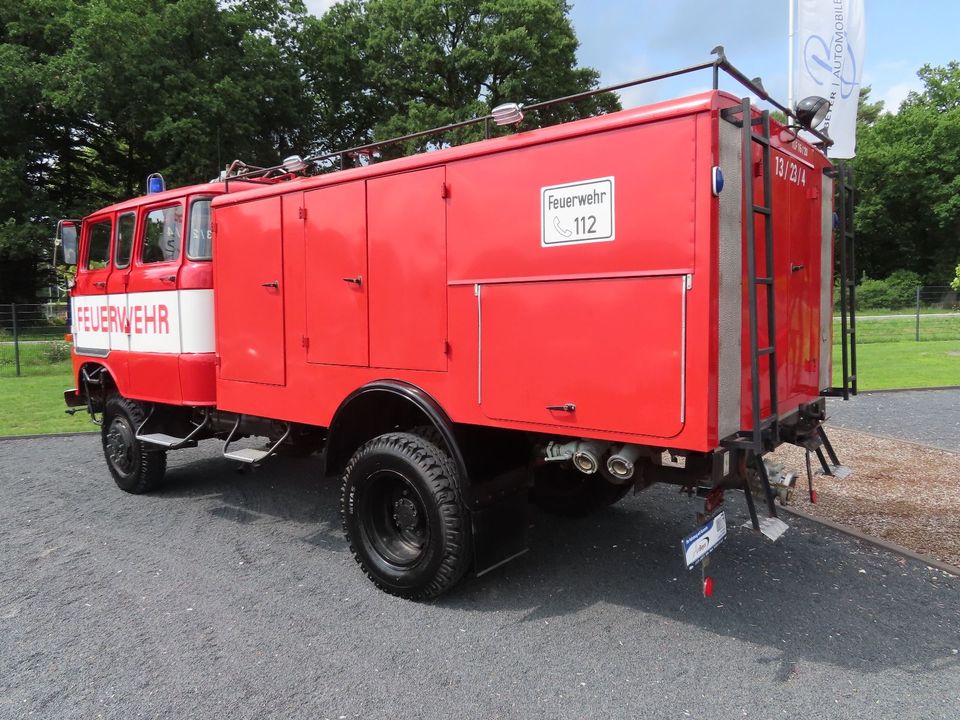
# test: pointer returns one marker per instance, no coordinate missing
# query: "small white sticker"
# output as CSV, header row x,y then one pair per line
x,y
579,212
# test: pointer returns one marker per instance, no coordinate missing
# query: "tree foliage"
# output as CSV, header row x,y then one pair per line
x,y
96,94
384,68
908,182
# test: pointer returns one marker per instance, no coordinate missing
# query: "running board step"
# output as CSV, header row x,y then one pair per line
x,y
770,527
251,456
167,441
838,471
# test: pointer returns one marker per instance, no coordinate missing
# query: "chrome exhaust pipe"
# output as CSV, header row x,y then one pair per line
x,y
622,461
586,458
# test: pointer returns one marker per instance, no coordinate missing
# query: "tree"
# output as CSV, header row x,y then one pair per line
x,y
39,143
96,94
908,182
390,67
867,112
182,87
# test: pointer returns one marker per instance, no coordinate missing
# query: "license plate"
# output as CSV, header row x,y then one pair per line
x,y
704,541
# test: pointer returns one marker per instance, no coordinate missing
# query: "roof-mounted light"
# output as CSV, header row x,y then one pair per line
x,y
294,164
507,114
155,183
812,110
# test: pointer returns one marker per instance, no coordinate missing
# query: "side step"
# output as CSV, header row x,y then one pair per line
x,y
770,527
252,456
170,442
166,441
834,467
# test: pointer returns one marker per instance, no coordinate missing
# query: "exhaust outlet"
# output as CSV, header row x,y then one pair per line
x,y
586,459
621,462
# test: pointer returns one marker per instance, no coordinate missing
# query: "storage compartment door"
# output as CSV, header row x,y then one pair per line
x,y
249,292
613,349
336,274
408,270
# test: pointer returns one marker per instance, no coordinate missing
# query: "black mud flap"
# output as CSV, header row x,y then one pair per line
x,y
498,509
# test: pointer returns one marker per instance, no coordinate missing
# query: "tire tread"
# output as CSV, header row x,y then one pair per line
x,y
441,474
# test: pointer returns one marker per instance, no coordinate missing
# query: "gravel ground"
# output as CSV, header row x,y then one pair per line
x,y
930,417
234,595
899,491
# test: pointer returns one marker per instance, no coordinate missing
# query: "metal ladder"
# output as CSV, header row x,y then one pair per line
x,y
846,244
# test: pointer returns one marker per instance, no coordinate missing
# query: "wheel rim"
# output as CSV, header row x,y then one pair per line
x,y
394,518
121,446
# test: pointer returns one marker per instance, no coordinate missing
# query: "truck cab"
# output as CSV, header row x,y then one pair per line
x,y
142,303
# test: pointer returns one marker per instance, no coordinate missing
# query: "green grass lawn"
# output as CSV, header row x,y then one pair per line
x,y
887,366
33,404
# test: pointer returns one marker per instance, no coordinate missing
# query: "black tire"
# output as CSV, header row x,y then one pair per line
x,y
562,490
430,434
135,467
403,517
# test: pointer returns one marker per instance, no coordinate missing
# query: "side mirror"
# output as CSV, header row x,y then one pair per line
x,y
65,242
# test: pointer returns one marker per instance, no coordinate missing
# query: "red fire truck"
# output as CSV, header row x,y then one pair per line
x,y
574,312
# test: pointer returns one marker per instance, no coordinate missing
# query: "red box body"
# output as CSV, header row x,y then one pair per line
x,y
451,271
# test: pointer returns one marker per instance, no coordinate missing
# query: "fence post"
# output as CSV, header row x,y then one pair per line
x,y
918,313
16,337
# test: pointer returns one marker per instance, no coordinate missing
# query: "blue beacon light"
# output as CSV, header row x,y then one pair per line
x,y
155,184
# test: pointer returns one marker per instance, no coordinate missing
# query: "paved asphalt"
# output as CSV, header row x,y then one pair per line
x,y
930,417
232,595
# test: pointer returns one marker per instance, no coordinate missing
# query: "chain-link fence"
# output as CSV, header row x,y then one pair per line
x,y
31,339
934,315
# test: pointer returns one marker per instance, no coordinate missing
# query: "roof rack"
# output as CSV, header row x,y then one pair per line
x,y
719,64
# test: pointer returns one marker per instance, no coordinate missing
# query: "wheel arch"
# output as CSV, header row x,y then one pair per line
x,y
385,406
102,381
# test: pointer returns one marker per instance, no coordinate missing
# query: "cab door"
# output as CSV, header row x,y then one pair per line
x,y
91,317
124,234
152,303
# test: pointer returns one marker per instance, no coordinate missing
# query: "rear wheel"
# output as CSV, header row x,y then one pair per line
x,y
134,467
403,516
562,490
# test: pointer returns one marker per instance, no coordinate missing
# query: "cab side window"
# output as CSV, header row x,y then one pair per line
x,y
98,245
200,244
162,232
125,229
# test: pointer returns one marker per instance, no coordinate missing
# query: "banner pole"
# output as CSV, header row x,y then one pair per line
x,y
791,31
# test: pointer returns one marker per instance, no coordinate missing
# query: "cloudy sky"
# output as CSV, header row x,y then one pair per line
x,y
626,39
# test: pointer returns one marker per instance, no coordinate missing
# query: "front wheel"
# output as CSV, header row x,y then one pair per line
x,y
135,468
403,516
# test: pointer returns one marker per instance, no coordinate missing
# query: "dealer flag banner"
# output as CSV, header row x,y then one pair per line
x,y
829,63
